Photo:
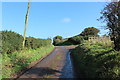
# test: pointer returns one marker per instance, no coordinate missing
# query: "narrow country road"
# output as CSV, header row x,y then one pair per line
x,y
57,65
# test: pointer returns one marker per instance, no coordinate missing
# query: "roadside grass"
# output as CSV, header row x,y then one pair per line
x,y
12,63
97,60
0,66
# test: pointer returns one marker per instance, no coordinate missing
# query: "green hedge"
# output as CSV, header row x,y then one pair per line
x,y
97,61
12,42
34,43
76,40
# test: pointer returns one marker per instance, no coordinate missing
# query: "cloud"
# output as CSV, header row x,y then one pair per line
x,y
66,20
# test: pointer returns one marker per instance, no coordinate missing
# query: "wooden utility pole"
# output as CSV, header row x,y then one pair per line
x,y
26,23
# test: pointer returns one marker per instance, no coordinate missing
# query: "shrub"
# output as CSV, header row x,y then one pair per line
x,y
70,41
36,43
11,41
76,39
56,42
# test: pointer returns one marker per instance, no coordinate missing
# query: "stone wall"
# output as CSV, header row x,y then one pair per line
x,y
99,38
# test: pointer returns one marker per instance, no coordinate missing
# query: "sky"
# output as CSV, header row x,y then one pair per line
x,y
57,0
49,19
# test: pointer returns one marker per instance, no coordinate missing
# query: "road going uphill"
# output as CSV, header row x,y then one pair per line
x,y
57,65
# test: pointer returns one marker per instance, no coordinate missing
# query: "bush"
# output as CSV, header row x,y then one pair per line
x,y
57,40
11,41
70,41
76,39
85,37
34,43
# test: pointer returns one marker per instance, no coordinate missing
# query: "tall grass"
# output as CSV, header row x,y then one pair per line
x,y
12,63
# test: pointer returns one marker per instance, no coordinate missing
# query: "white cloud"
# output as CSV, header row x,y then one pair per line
x,y
66,20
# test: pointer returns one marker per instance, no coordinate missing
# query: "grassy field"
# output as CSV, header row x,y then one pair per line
x,y
97,60
12,63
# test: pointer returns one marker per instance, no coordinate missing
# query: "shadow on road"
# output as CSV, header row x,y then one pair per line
x,y
41,71
56,65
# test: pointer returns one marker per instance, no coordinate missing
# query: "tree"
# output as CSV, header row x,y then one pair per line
x,y
58,37
90,31
111,15
57,40
26,23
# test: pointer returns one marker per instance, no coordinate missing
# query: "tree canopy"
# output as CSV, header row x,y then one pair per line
x,y
58,37
90,31
111,15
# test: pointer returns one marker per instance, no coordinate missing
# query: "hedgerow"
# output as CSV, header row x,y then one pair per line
x,y
96,60
36,43
12,42
75,40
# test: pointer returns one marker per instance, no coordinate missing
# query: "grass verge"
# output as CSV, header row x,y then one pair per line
x,y
96,60
0,66
12,63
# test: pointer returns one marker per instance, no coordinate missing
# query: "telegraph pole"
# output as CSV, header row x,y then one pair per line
x,y
26,24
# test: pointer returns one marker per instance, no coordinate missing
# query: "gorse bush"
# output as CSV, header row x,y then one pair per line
x,y
12,41
95,60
